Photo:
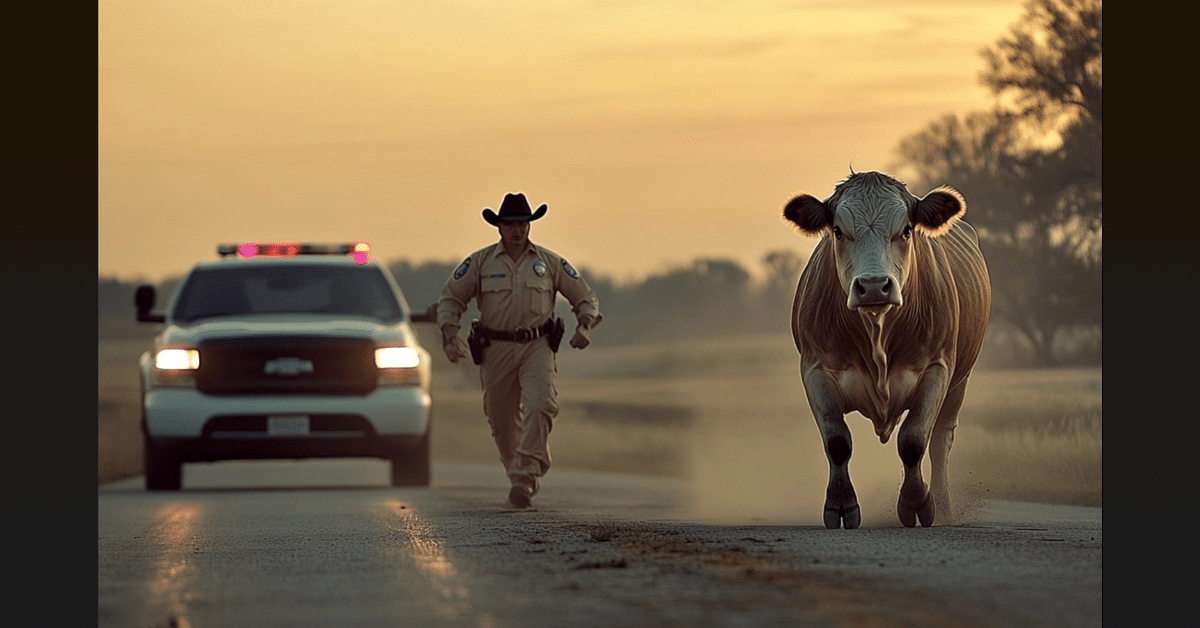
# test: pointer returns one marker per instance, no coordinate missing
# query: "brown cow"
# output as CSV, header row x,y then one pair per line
x,y
889,317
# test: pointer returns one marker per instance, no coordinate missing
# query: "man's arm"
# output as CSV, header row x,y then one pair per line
x,y
583,302
460,288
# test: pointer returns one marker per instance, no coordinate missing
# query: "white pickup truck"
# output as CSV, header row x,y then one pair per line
x,y
285,351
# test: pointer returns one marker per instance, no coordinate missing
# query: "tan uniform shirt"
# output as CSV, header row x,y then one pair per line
x,y
513,294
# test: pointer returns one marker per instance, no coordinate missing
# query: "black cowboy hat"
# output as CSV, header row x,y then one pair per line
x,y
514,208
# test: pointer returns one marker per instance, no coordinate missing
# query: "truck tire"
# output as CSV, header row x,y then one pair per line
x,y
412,467
163,471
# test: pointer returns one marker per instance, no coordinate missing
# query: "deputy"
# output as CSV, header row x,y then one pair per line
x,y
515,283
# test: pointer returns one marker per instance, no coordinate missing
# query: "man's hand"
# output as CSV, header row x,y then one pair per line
x,y
455,347
583,335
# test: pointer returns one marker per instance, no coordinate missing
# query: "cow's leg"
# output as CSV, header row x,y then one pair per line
x,y
939,451
841,503
915,501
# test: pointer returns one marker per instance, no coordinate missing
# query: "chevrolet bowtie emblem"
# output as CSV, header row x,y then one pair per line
x,y
287,367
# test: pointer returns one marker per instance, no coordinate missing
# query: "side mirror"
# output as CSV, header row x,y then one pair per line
x,y
143,300
428,316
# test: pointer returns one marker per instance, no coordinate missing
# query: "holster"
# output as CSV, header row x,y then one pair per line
x,y
556,335
477,342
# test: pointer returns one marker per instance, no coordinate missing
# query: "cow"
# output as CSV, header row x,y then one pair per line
x,y
889,317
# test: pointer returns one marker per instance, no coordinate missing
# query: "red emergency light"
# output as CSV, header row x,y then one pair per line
x,y
360,251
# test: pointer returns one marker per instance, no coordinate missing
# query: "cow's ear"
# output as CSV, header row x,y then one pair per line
x,y
939,210
807,213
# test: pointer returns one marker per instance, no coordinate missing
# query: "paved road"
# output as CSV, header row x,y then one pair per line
x,y
328,543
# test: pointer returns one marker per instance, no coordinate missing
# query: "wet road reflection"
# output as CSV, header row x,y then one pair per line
x,y
428,553
174,574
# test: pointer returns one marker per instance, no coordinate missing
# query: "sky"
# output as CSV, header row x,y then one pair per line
x,y
656,131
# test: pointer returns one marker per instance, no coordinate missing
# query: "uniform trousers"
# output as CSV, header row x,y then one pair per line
x,y
520,401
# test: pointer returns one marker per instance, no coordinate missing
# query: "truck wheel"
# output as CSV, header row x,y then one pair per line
x,y
412,467
163,472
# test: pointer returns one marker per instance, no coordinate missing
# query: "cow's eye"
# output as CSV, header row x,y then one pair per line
x,y
908,230
837,233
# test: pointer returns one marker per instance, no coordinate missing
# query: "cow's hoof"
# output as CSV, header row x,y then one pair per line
x,y
925,513
909,515
847,516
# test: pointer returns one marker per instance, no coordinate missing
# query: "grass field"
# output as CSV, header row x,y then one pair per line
x,y
117,431
730,416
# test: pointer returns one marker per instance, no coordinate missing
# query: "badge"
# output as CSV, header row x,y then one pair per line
x,y
570,270
539,267
461,271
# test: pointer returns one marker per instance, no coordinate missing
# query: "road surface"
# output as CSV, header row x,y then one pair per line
x,y
327,543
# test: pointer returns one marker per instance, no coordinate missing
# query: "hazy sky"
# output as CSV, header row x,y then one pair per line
x,y
657,131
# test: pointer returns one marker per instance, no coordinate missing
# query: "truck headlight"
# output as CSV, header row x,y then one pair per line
x,y
175,367
177,359
398,366
397,358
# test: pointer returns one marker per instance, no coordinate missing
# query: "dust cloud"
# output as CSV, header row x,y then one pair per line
x,y
750,450
729,418
1024,435
765,467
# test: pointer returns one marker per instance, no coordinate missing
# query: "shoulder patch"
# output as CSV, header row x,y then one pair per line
x,y
462,269
570,270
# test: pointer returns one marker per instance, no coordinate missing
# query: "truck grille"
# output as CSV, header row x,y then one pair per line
x,y
255,425
287,365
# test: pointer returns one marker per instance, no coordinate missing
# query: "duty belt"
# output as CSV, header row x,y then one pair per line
x,y
521,334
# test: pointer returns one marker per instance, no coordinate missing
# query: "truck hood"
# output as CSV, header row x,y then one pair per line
x,y
324,325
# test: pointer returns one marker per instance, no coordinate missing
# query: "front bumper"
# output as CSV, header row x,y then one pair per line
x,y
185,413
189,426
292,447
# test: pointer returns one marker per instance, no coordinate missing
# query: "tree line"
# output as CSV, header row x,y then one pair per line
x,y
710,297
706,298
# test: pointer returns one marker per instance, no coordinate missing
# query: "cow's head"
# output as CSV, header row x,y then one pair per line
x,y
872,219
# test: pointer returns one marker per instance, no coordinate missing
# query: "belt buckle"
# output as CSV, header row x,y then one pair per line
x,y
523,334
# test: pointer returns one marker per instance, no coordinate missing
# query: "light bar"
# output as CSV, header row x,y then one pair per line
x,y
360,251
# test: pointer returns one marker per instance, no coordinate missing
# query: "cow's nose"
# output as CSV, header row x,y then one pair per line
x,y
874,290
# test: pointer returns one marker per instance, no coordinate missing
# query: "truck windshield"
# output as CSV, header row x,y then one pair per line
x,y
288,289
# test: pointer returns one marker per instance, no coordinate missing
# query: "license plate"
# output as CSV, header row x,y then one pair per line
x,y
287,425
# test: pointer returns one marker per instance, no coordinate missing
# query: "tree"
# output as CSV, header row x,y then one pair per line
x,y
1052,64
1052,61
783,269
710,297
982,155
1037,223
1031,176
421,283
783,272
